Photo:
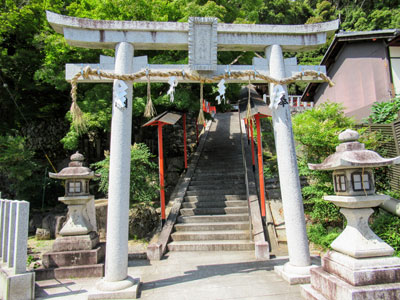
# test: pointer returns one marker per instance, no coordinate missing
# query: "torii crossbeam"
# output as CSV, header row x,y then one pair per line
x,y
202,38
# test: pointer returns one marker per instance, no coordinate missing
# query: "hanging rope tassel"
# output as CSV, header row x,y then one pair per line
x,y
77,115
149,110
248,112
201,119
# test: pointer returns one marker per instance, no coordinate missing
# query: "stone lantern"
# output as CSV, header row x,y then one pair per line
x,y
361,264
77,251
80,219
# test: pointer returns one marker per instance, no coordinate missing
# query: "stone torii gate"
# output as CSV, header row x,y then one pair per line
x,y
202,38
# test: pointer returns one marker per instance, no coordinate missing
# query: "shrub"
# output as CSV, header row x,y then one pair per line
x,y
385,112
143,186
319,235
316,133
387,227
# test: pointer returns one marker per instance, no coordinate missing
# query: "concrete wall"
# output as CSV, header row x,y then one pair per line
x,y
361,76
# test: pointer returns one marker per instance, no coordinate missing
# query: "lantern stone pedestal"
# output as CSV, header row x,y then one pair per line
x,y
77,252
361,265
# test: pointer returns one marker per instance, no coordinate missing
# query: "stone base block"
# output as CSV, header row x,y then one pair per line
x,y
17,286
81,271
307,292
77,242
365,271
294,278
131,292
262,250
74,258
331,287
154,252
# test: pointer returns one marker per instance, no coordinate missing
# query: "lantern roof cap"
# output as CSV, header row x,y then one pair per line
x,y
77,156
349,135
352,154
75,169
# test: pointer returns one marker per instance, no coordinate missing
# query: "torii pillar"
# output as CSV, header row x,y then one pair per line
x,y
297,270
116,279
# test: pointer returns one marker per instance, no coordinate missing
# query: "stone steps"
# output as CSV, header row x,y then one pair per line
x,y
220,172
222,187
212,177
213,211
217,192
225,245
215,204
214,198
216,182
212,226
214,218
210,235
214,215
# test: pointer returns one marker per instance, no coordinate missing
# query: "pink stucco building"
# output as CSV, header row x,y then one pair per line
x,y
365,67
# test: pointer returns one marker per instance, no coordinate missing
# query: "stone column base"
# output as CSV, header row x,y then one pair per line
x,y
17,286
124,289
294,275
347,278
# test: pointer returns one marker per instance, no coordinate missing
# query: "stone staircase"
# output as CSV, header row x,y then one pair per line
x,y
214,215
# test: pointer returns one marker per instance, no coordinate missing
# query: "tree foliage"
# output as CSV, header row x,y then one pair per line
x,y
316,133
33,89
385,112
143,178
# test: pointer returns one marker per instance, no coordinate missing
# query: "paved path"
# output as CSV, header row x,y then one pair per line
x,y
191,275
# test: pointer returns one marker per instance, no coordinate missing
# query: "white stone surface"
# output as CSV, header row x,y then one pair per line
x,y
131,292
1,226
355,264
76,223
118,193
146,35
82,215
392,205
357,201
15,282
17,286
203,42
11,234
299,254
294,275
357,239
21,243
5,220
91,214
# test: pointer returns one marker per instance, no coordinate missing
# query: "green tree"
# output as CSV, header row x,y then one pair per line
x,y
143,186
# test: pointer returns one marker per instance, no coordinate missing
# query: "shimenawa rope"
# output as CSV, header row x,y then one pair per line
x,y
77,115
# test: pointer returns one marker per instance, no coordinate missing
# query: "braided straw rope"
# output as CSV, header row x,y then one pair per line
x,y
149,110
77,115
200,118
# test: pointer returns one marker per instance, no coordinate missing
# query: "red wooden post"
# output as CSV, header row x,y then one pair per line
x,y
260,166
247,130
184,140
252,145
197,133
161,170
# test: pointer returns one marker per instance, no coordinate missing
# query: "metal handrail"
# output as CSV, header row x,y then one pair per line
x,y
246,179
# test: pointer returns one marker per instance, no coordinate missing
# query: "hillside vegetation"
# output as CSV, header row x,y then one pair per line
x,y
34,97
